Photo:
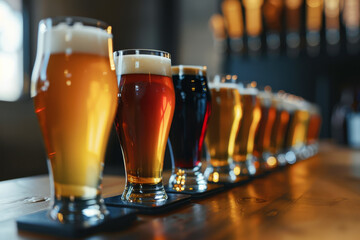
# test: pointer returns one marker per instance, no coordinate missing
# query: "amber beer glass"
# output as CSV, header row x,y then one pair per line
x,y
263,133
313,129
222,129
245,161
146,106
74,89
192,111
279,129
297,130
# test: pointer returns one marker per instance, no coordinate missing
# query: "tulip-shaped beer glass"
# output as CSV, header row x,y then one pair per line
x,y
74,89
145,111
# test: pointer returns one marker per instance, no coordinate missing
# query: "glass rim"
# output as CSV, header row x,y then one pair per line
x,y
71,20
140,51
189,70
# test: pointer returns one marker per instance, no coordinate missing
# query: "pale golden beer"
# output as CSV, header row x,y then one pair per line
x,y
223,125
75,115
222,129
75,89
245,138
297,132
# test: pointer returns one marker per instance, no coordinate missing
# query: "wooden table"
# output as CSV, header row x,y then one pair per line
x,y
318,198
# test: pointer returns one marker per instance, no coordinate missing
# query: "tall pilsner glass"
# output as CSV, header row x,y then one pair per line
x,y
74,89
223,126
146,108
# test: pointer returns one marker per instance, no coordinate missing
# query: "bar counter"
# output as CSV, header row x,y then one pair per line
x,y
318,198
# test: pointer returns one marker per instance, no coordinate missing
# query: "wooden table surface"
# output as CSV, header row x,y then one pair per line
x,y
318,198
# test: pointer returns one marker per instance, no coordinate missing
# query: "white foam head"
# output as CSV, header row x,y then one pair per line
x,y
248,91
225,81
265,98
68,39
76,38
141,63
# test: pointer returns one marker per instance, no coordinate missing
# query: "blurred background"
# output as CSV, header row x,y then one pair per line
x,y
306,47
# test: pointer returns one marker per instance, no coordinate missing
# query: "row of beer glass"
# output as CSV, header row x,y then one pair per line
x,y
77,96
263,130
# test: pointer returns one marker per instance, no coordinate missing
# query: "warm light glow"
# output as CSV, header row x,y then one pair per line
x,y
314,10
237,170
215,177
267,88
271,161
351,13
110,47
293,4
253,17
332,11
233,18
11,52
217,25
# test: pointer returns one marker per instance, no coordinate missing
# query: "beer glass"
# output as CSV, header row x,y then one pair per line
x,y
279,129
192,111
74,89
223,126
313,129
263,133
245,161
297,131
146,106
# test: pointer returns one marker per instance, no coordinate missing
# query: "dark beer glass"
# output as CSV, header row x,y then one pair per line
x,y
146,103
74,89
192,111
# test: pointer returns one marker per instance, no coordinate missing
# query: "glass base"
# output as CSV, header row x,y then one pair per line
x,y
249,167
223,174
281,159
268,162
144,193
312,149
290,157
76,210
188,179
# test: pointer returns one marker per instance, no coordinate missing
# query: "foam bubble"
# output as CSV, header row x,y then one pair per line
x,y
76,38
142,64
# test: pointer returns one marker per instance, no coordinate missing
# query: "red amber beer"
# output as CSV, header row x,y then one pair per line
x,y
74,89
146,103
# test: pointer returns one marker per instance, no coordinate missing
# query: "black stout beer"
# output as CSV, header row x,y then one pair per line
x,y
192,110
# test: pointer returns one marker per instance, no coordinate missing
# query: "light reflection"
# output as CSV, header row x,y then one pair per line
x,y
237,170
215,177
271,161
